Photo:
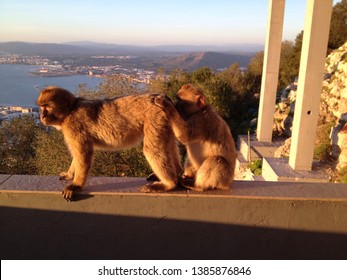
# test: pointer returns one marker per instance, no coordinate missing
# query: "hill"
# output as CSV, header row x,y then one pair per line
x,y
213,60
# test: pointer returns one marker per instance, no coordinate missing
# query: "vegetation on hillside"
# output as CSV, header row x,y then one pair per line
x,y
338,25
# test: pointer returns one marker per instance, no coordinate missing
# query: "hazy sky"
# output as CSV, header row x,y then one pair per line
x,y
144,22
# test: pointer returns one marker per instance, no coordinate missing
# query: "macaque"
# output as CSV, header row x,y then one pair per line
x,y
210,146
112,124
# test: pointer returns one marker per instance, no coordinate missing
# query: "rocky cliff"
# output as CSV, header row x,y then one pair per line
x,y
334,102
333,111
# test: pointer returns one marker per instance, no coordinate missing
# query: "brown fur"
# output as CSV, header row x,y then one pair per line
x,y
116,124
210,145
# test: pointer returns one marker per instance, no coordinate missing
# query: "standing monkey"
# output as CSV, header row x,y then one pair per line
x,y
112,124
210,145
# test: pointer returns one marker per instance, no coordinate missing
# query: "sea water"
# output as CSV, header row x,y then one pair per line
x,y
17,84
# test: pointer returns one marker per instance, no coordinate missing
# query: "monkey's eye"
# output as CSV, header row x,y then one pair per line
x,y
46,107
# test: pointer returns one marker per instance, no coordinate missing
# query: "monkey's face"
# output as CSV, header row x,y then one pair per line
x,y
185,107
189,103
55,105
49,115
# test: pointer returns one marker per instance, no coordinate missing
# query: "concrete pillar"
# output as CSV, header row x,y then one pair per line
x,y
313,53
269,81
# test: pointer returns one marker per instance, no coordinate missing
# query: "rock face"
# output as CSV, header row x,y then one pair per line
x,y
285,111
333,107
334,102
284,150
334,92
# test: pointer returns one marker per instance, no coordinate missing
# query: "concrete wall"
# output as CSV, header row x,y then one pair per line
x,y
111,220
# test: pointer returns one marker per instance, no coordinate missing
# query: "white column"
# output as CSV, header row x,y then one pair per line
x,y
313,53
271,64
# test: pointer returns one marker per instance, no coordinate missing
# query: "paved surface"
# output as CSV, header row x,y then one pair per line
x,y
109,185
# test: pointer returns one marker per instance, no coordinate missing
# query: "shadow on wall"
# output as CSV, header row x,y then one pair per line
x,y
41,234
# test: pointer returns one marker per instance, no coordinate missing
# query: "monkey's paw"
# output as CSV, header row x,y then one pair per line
x,y
69,192
65,176
152,177
154,187
163,101
189,183
160,101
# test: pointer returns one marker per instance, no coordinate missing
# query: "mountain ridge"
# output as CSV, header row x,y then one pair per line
x,y
242,48
89,47
215,60
144,57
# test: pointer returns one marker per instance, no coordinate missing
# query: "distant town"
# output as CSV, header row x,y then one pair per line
x,y
10,112
68,67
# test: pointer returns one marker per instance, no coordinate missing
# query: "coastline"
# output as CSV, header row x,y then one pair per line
x,y
52,74
17,83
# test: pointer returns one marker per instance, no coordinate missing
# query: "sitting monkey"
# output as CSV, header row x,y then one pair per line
x,y
210,145
113,124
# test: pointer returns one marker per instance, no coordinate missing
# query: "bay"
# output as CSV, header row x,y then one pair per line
x,y
17,84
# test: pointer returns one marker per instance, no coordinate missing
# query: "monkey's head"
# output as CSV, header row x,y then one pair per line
x,y
190,100
55,105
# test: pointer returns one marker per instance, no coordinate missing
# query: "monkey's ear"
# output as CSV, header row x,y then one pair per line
x,y
201,102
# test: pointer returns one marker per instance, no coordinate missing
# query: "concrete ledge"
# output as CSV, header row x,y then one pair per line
x,y
274,169
111,220
278,169
257,148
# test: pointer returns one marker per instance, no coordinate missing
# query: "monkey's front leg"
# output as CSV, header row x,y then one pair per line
x,y
82,161
69,175
68,192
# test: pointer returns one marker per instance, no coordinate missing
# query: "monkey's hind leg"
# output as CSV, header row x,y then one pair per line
x,y
214,173
166,179
163,168
160,150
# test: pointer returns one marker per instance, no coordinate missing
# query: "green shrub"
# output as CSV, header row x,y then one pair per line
x,y
255,166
